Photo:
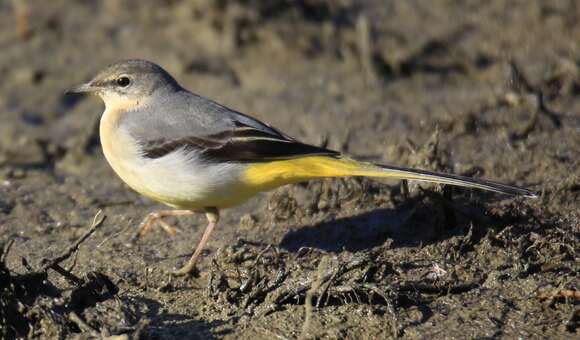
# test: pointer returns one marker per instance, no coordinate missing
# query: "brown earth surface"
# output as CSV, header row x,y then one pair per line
x,y
482,88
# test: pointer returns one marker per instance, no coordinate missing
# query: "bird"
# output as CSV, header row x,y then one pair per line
x,y
197,156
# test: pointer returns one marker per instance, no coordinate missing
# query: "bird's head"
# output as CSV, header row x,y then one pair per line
x,y
128,83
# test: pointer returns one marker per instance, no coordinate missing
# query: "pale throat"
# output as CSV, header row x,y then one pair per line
x,y
117,144
117,103
119,147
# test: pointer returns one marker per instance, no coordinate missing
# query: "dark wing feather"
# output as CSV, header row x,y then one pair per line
x,y
242,144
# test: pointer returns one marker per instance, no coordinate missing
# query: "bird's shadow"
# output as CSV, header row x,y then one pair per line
x,y
421,220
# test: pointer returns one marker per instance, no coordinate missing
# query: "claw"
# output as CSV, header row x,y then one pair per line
x,y
153,217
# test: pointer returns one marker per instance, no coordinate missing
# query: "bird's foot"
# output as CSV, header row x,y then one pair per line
x,y
213,216
158,216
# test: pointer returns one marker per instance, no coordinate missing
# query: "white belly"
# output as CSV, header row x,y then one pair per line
x,y
179,179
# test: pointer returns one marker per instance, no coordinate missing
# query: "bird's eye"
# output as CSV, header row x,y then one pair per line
x,y
123,81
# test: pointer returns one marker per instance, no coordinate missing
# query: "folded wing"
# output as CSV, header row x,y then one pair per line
x,y
243,144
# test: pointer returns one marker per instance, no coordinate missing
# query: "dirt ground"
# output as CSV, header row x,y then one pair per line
x,y
481,88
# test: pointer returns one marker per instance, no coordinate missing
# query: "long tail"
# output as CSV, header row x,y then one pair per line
x,y
266,176
434,177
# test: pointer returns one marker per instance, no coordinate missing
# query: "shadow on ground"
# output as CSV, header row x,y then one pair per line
x,y
415,221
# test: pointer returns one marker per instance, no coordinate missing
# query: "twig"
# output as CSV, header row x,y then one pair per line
x,y
330,281
67,275
5,251
54,264
321,277
394,323
97,222
74,263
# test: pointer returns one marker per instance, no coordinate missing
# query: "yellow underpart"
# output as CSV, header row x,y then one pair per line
x,y
266,176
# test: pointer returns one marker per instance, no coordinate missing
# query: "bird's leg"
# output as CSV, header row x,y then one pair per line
x,y
213,217
158,216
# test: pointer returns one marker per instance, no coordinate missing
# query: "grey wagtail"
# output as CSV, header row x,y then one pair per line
x,y
195,155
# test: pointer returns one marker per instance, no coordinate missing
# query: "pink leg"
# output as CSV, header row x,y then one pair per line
x,y
153,217
213,217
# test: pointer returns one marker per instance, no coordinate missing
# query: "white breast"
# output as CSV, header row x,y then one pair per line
x,y
180,179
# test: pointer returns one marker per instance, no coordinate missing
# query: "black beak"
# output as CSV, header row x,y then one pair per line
x,y
84,88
